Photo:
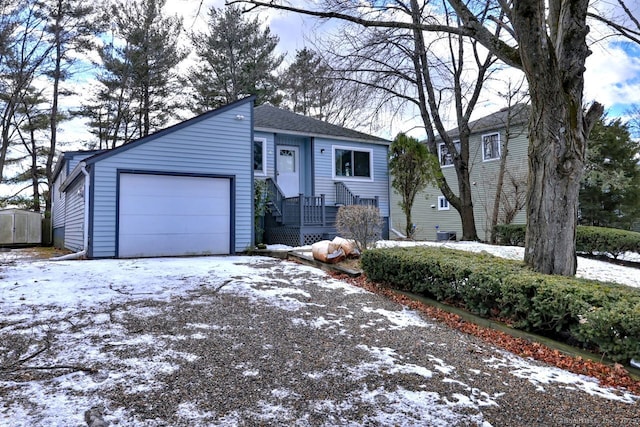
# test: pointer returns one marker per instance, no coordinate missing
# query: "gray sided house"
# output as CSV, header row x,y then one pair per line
x,y
185,190
493,137
312,168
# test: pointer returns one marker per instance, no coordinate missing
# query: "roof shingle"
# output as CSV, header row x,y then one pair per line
x,y
270,118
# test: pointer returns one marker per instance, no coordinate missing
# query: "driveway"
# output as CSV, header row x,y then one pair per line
x,y
257,341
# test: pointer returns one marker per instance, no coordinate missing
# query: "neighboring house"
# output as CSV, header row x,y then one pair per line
x,y
188,189
324,165
431,211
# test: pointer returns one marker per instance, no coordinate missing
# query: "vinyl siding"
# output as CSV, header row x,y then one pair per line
x,y
58,198
270,151
74,214
58,201
325,182
484,174
219,145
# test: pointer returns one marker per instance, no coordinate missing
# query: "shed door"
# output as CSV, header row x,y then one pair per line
x,y
163,215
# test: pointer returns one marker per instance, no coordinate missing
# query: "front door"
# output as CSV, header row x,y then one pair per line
x,y
288,164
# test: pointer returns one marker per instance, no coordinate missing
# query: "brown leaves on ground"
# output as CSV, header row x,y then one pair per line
x,y
614,376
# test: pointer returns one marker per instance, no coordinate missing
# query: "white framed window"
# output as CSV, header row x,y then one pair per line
x,y
443,203
446,158
259,156
353,163
490,147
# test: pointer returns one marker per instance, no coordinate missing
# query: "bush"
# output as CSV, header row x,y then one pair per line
x,y
591,240
593,314
614,329
511,234
612,241
362,224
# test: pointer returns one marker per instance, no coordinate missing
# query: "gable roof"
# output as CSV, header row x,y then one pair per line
x,y
68,155
268,118
166,131
498,120
108,153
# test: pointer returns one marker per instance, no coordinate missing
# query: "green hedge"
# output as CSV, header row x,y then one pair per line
x,y
613,241
595,315
591,240
511,234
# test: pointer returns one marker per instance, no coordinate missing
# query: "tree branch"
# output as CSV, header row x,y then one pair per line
x,y
369,23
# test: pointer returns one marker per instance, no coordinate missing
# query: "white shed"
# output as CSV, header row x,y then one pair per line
x,y
20,227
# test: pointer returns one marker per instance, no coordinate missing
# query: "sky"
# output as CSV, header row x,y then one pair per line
x,y
156,318
612,74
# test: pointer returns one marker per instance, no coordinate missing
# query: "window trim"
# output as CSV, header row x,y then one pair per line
x,y
484,157
443,203
442,144
351,148
263,171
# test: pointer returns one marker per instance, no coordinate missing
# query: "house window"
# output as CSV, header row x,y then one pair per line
x,y
259,156
352,163
446,158
443,203
491,146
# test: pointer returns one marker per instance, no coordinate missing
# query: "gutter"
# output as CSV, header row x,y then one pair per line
x,y
397,233
85,241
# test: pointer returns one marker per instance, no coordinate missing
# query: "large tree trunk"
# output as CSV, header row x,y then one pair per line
x,y
554,65
556,162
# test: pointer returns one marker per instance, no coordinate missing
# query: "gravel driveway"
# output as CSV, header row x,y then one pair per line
x,y
258,341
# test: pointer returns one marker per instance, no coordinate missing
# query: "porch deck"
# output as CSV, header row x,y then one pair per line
x,y
304,220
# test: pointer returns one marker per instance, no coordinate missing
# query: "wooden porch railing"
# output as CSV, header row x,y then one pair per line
x,y
275,197
345,197
309,210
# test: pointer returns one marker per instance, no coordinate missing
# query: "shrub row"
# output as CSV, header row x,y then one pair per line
x,y
591,240
604,316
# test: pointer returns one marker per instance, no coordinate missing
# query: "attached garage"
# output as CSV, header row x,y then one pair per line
x,y
169,215
184,190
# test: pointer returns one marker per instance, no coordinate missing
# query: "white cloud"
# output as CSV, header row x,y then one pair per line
x,y
612,75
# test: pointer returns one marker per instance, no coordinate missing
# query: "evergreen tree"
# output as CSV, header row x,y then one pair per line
x,y
141,88
236,59
308,89
31,125
72,26
412,168
23,54
610,190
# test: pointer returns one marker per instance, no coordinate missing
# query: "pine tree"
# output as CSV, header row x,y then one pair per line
x,y
610,190
308,89
236,59
141,87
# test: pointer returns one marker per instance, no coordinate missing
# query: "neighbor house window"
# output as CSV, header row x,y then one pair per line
x,y
443,203
352,163
446,158
491,146
259,156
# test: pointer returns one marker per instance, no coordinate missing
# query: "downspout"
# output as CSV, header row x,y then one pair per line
x,y
85,242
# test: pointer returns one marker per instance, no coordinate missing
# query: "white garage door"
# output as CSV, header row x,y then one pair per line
x,y
163,215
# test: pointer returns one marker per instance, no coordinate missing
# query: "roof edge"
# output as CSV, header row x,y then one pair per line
x,y
96,158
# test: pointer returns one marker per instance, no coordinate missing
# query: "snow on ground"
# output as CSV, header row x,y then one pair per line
x,y
85,304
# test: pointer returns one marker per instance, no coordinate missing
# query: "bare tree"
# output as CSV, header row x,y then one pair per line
x,y
401,67
516,110
547,41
